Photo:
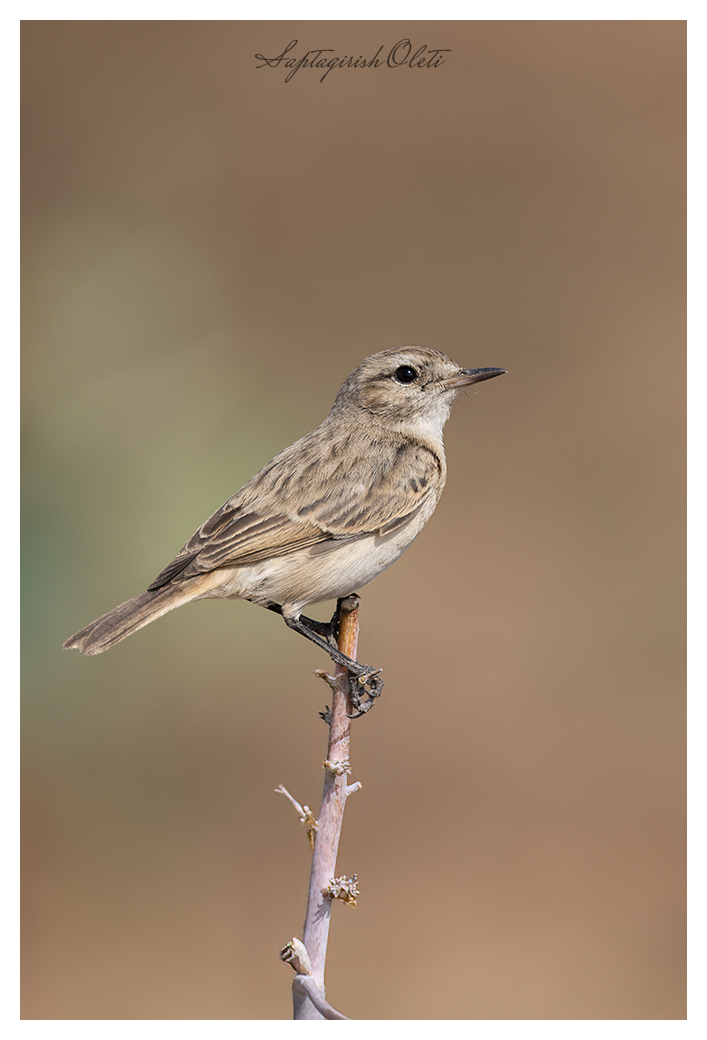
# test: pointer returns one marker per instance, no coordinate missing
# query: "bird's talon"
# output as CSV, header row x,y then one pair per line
x,y
367,684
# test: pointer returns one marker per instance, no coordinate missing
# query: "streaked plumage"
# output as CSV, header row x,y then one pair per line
x,y
327,514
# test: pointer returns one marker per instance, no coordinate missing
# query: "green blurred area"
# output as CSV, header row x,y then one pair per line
x,y
208,252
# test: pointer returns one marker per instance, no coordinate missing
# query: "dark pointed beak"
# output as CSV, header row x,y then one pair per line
x,y
467,376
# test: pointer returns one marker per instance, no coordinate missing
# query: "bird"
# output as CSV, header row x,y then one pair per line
x,y
325,516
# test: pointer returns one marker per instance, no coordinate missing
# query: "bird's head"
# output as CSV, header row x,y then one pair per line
x,y
408,389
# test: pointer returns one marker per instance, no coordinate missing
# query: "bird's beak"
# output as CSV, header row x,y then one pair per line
x,y
467,376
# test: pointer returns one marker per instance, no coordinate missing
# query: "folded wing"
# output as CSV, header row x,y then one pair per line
x,y
305,498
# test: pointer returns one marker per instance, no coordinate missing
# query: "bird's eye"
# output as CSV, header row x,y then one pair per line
x,y
406,374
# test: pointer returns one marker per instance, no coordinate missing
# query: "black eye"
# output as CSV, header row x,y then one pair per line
x,y
406,374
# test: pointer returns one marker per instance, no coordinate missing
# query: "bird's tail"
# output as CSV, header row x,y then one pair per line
x,y
100,635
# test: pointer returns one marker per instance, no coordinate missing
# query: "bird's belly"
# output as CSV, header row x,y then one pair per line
x,y
312,575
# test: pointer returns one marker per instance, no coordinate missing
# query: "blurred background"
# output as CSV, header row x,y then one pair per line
x,y
208,251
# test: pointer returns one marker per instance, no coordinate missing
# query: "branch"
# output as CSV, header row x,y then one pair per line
x,y
304,986
324,886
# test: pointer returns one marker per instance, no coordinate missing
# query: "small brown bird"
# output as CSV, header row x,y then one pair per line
x,y
326,515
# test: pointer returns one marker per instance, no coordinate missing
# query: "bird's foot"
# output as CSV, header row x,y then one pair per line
x,y
365,685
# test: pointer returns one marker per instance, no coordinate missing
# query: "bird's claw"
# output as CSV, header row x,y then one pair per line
x,y
364,687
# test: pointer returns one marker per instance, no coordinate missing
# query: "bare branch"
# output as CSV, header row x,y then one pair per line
x,y
308,996
305,987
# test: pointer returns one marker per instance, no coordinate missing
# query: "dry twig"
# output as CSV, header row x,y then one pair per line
x,y
308,958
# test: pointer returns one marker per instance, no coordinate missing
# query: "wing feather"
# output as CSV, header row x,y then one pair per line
x,y
318,493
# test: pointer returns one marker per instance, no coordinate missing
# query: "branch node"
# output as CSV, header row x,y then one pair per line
x,y
330,680
295,954
349,603
306,986
337,768
343,888
350,788
306,816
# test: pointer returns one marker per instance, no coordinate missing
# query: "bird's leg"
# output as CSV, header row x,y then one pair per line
x,y
328,630
364,680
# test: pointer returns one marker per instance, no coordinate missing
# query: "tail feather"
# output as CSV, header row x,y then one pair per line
x,y
108,630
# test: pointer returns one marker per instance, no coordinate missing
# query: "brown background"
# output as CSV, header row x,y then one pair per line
x,y
208,251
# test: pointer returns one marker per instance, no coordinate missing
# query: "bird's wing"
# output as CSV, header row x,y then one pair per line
x,y
232,536
288,507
